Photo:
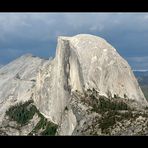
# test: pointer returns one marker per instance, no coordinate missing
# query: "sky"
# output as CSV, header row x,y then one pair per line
x,y
37,33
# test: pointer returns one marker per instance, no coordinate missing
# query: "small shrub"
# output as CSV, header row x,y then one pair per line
x,y
33,80
92,96
107,120
110,118
17,76
115,96
125,96
107,104
50,130
66,108
103,104
41,124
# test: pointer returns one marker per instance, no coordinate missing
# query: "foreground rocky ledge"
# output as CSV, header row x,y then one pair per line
x,y
91,114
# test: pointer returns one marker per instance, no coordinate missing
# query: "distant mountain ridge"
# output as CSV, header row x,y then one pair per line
x,y
140,72
142,77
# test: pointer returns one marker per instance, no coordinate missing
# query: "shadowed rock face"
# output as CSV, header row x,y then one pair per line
x,y
84,62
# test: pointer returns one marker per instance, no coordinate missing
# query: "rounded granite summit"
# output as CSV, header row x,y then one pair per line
x,y
102,67
84,62
87,41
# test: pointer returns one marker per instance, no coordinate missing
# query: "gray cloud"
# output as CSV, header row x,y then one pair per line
x,y
36,33
139,62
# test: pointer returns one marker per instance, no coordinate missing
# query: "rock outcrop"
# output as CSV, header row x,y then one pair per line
x,y
84,62
17,80
67,89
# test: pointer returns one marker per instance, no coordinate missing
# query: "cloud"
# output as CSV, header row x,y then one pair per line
x,y
138,62
139,59
37,33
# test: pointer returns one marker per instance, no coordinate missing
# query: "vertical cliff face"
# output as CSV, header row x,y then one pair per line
x,y
57,80
84,62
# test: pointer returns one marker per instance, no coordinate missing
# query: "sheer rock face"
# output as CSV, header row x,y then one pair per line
x,y
104,69
83,62
56,81
17,80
